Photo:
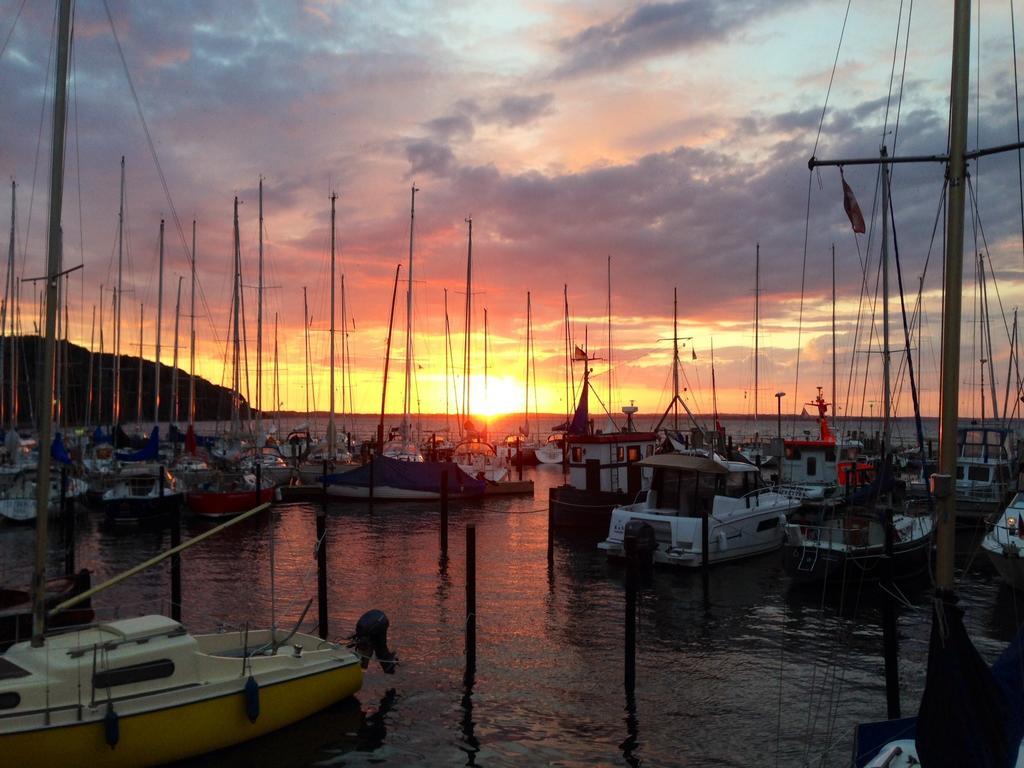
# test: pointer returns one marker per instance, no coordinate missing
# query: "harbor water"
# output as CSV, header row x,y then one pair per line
x,y
751,671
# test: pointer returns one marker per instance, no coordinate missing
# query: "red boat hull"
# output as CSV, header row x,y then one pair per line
x,y
225,503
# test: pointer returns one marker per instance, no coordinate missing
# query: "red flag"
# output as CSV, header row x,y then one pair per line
x,y
579,354
190,440
852,209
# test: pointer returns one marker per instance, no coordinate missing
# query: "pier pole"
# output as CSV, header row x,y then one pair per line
x,y
444,515
176,558
551,532
470,604
630,644
321,562
68,516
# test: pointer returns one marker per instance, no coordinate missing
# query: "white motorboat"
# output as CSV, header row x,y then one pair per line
x,y
1004,543
698,488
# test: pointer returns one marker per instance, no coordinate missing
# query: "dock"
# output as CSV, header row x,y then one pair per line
x,y
509,488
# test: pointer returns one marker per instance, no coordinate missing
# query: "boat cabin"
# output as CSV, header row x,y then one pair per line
x,y
610,461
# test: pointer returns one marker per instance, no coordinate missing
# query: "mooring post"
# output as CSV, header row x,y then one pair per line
x,y
321,562
175,558
67,513
470,603
551,532
444,514
630,645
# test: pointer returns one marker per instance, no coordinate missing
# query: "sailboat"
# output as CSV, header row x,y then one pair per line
x,y
144,691
970,714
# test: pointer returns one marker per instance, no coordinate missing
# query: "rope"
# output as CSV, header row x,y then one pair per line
x,y
831,78
10,32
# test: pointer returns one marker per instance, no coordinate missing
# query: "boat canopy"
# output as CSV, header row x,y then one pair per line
x,y
685,461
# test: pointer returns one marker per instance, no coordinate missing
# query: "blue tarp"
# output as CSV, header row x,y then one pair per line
x,y
202,441
149,452
57,450
99,437
579,419
412,476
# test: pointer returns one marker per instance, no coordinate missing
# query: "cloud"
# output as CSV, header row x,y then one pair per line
x,y
426,156
656,29
517,111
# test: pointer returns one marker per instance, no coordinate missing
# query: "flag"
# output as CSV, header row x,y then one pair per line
x,y
579,354
852,209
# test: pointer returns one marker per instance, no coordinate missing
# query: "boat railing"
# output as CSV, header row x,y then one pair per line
x,y
754,496
1006,532
854,533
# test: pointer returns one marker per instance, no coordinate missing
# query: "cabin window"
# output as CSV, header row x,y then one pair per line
x,y
959,472
10,700
633,453
737,484
650,449
830,455
978,474
666,486
577,454
765,525
792,453
620,454
136,673
812,466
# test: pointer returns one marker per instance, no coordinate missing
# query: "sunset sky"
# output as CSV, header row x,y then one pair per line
x,y
672,137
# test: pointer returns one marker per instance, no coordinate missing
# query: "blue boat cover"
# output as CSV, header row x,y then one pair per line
x,y
99,437
411,476
148,452
970,714
57,450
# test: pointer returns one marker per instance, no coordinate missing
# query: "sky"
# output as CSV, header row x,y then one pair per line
x,y
614,157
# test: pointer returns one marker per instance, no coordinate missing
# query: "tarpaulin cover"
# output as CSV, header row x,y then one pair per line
x,y
148,452
58,452
411,476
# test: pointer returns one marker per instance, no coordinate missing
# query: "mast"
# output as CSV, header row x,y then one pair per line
x,y
99,371
8,309
675,362
305,325
192,338
346,376
236,306
568,354
757,330
886,374
159,322
53,269
92,354
609,336
407,404
138,390
952,295
387,361
277,382
173,415
987,339
486,342
331,426
529,353
468,326
259,329
115,416
834,391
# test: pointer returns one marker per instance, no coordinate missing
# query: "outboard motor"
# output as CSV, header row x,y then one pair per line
x,y
638,541
371,638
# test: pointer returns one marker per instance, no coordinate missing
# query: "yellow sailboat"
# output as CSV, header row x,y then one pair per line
x,y
144,691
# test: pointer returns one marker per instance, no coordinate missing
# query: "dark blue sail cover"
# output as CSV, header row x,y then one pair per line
x,y
970,714
58,452
148,452
411,476
578,426
99,437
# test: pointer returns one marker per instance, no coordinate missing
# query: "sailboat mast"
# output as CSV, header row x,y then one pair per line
x,y
173,415
466,371
886,374
987,327
675,359
192,337
952,294
407,403
259,327
99,371
8,309
138,388
757,329
159,322
305,325
53,270
118,297
834,392
277,382
387,362
331,427
236,298
92,355
609,334
346,377
529,356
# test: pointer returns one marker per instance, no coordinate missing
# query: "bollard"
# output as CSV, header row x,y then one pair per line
x,y
444,515
321,568
470,604
175,558
630,655
68,516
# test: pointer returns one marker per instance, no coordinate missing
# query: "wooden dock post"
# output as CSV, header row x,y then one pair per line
x,y
321,562
630,641
470,604
175,558
444,515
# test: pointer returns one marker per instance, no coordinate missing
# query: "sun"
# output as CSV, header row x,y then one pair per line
x,y
503,395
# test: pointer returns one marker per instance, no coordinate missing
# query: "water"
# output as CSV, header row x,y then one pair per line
x,y
757,674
